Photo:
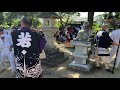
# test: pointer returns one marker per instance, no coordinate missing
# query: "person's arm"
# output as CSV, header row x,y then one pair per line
x,y
108,40
112,42
112,37
11,43
117,44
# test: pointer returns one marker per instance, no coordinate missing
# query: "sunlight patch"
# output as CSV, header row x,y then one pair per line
x,y
9,68
76,75
61,68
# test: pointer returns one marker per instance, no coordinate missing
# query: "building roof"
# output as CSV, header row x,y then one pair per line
x,y
84,19
49,15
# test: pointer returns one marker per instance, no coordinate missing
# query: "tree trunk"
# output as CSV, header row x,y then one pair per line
x,y
61,22
90,19
67,20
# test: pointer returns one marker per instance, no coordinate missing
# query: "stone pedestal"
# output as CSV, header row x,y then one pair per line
x,y
81,61
53,55
49,35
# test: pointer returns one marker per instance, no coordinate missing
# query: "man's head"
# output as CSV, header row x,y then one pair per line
x,y
1,33
105,27
26,22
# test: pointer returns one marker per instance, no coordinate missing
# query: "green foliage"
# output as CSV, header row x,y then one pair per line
x,y
100,19
12,19
15,23
66,17
1,18
5,25
57,24
113,18
96,27
36,23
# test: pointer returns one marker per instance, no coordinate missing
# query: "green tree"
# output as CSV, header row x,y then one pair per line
x,y
11,18
36,23
113,18
66,17
15,22
96,27
1,18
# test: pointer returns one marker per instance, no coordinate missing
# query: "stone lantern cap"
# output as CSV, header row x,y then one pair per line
x,y
49,15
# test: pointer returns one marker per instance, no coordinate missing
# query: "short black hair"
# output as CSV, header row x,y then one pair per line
x,y
27,21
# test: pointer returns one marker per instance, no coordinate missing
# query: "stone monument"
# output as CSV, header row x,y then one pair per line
x,y
81,43
49,29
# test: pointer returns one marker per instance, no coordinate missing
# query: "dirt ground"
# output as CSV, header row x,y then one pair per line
x,y
63,71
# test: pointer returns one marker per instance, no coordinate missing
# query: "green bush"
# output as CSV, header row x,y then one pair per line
x,y
15,23
96,27
57,24
36,23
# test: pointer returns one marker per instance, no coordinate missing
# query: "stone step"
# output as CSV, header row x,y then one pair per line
x,y
52,62
51,51
56,55
82,67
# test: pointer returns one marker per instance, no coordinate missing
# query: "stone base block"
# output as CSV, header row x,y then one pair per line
x,y
54,58
81,67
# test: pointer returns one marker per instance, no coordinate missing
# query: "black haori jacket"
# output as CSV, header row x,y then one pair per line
x,y
104,41
26,50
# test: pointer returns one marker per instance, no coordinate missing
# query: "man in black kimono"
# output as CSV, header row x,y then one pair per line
x,y
26,50
104,41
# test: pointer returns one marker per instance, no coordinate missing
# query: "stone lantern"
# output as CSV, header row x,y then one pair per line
x,y
81,54
49,29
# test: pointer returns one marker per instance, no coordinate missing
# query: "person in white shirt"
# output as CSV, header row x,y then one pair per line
x,y
5,31
6,45
115,36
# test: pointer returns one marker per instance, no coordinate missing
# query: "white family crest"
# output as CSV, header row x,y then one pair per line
x,y
24,40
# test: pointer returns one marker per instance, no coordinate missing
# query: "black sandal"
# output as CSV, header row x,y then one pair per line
x,y
99,68
108,70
